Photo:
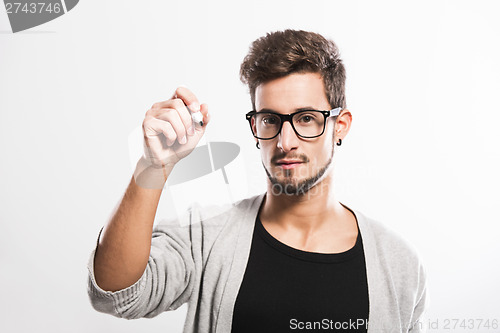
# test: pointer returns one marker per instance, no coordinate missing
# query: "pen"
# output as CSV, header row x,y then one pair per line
x,y
196,116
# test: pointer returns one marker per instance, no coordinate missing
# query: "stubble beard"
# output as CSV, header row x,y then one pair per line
x,y
288,185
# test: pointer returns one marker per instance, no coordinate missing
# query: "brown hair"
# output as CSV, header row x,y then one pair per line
x,y
281,53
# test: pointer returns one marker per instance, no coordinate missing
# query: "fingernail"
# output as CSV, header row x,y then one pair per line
x,y
195,107
183,140
190,130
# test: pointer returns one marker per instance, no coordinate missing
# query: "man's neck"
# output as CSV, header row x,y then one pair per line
x,y
315,210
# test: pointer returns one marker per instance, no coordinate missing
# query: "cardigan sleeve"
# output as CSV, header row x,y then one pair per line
x,y
167,281
419,322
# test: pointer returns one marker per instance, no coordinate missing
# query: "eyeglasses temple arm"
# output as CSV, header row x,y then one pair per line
x,y
335,112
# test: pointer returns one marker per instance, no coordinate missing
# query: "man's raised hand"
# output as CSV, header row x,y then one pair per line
x,y
170,134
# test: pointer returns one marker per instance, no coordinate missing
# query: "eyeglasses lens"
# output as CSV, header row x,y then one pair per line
x,y
306,124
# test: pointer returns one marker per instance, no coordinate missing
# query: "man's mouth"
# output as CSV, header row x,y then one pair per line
x,y
288,164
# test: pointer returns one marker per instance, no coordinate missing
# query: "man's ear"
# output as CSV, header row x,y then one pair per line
x,y
343,124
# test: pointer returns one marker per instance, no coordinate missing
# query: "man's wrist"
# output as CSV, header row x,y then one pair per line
x,y
150,176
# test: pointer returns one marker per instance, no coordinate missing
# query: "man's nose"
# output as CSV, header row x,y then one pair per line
x,y
287,139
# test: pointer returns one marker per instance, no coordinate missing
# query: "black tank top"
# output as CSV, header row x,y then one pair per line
x,y
288,290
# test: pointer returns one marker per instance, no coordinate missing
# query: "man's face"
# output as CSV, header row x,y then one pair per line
x,y
294,164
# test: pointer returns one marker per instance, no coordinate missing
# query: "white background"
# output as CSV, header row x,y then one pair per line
x,y
422,155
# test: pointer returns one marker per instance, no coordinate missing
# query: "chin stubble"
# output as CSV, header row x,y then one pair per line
x,y
288,188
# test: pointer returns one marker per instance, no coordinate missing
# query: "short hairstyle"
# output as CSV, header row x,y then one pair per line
x,y
282,53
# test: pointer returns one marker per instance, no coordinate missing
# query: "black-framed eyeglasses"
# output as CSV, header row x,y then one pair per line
x,y
306,123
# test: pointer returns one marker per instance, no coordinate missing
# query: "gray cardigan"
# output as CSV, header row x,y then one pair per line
x,y
201,258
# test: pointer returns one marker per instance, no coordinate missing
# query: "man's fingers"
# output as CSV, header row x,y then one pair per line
x,y
159,109
153,128
153,143
172,117
188,98
166,129
169,129
184,115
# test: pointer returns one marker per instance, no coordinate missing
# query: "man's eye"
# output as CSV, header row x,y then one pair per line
x,y
306,118
270,120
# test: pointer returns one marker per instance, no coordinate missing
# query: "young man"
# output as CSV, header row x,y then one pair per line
x,y
293,258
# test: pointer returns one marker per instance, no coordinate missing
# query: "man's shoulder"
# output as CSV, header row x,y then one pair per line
x,y
387,241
